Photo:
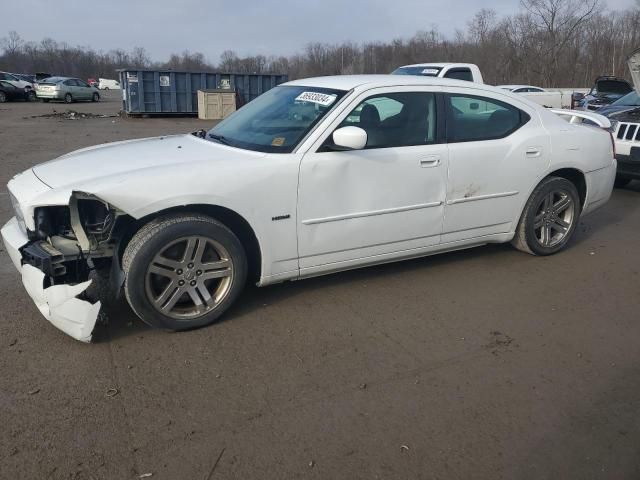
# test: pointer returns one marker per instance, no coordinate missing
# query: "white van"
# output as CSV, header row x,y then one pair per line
x,y
106,84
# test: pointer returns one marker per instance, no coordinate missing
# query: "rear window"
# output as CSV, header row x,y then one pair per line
x,y
613,86
460,74
424,71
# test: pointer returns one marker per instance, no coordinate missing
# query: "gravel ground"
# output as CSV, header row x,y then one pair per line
x,y
486,363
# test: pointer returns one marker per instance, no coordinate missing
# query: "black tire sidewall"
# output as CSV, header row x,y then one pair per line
x,y
95,98
135,281
551,184
69,97
3,97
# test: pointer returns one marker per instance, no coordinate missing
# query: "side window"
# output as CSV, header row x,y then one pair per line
x,y
472,118
80,83
459,74
70,83
396,119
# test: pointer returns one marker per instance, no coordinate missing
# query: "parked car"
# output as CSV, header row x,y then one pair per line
x,y
106,84
456,71
10,92
16,82
312,177
629,102
606,90
522,88
26,77
626,120
66,89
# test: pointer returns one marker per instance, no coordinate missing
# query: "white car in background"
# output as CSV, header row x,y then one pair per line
x,y
312,177
16,82
106,84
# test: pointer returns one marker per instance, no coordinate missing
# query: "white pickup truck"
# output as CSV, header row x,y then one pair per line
x,y
550,98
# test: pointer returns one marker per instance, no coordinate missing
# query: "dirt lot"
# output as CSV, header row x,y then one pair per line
x,y
487,363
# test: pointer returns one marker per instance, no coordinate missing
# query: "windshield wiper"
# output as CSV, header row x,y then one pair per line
x,y
220,138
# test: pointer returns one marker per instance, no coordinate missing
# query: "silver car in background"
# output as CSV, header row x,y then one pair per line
x,y
66,89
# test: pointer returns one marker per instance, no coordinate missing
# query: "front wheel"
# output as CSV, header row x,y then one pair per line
x,y
95,98
183,271
550,217
3,97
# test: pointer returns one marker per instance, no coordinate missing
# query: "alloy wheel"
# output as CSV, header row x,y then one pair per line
x,y
554,218
189,277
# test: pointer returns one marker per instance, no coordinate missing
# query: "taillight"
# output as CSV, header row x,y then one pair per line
x,y
613,142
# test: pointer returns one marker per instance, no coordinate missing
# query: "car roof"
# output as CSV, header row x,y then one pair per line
x,y
349,82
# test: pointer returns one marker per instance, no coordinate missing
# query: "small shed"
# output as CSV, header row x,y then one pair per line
x,y
216,103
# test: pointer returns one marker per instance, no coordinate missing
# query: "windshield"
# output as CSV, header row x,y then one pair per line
x,y
631,99
277,120
424,71
612,87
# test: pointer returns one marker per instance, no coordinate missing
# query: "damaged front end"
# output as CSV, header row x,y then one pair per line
x,y
59,254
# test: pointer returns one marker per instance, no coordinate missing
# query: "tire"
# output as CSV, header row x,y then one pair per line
x,y
621,182
68,98
31,96
45,100
3,97
549,218
164,285
95,98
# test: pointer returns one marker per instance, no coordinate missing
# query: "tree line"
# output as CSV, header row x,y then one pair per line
x,y
547,43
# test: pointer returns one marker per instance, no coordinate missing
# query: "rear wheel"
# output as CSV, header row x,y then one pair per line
x,y
183,271
31,96
68,98
621,182
45,100
3,97
550,217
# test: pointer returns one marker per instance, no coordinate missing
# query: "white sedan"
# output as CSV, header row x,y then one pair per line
x,y
314,176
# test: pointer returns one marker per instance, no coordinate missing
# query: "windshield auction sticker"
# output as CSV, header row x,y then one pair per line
x,y
323,99
430,71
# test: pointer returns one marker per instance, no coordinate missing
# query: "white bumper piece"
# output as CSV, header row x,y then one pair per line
x,y
58,303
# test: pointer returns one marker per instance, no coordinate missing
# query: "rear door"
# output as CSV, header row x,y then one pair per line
x,y
84,91
497,152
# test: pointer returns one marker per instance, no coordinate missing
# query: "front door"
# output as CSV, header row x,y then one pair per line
x,y
384,201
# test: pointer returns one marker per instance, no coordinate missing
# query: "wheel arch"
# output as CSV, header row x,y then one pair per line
x,y
127,227
576,177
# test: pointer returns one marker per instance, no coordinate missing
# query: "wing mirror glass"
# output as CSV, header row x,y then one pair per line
x,y
350,138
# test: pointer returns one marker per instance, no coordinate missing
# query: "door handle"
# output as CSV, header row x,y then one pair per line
x,y
533,151
430,161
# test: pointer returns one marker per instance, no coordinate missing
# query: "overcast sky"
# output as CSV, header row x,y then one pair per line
x,y
268,27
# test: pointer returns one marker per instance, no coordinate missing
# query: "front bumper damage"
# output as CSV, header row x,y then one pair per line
x,y
58,303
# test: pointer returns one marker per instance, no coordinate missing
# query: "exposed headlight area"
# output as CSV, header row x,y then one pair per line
x,y
52,221
18,212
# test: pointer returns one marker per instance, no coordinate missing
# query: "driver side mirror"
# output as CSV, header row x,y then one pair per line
x,y
350,138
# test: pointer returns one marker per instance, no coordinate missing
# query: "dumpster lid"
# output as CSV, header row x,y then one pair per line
x,y
217,90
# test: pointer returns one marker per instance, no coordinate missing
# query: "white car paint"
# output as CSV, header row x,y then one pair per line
x,y
343,209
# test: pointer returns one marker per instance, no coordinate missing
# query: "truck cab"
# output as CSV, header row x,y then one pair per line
x,y
458,71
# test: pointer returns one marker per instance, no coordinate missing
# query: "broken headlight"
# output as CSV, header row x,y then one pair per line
x,y
18,211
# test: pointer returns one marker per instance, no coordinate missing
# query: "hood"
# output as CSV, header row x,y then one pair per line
x,y
634,68
609,86
632,115
111,159
613,111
